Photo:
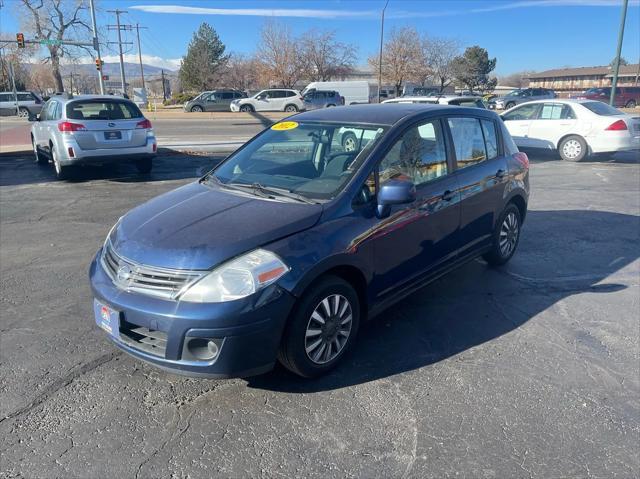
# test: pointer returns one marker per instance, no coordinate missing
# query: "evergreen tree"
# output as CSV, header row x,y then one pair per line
x,y
200,67
472,69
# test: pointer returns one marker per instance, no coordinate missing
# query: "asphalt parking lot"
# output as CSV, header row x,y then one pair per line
x,y
527,371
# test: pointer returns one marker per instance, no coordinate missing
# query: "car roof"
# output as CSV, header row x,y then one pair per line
x,y
568,101
380,114
67,99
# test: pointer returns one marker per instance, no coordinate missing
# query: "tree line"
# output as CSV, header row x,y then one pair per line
x,y
283,60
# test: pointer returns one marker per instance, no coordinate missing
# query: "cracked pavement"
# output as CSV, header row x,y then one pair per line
x,y
527,371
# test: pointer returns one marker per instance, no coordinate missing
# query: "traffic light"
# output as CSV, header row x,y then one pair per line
x,y
20,39
99,64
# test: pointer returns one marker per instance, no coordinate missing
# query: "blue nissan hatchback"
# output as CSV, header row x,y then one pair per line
x,y
316,224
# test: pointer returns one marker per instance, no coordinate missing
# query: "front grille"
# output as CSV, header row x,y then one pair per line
x,y
144,339
131,276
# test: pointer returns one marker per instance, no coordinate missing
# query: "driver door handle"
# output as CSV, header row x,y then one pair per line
x,y
448,195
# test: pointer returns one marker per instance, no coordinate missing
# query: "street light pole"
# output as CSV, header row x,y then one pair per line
x,y
616,65
380,55
96,44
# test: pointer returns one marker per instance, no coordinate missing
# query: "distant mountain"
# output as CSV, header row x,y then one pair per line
x,y
131,70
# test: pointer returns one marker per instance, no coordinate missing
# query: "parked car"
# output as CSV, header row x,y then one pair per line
x,y
92,129
29,103
214,100
322,99
468,101
626,96
270,100
354,91
517,97
288,245
575,128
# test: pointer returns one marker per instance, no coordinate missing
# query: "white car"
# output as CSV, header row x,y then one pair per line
x,y
575,128
279,99
468,101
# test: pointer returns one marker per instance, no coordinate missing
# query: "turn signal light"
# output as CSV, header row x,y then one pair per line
x,y
146,124
619,125
68,127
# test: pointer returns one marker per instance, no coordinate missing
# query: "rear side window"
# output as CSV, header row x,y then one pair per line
x,y
227,95
25,97
490,138
102,110
600,108
290,93
468,141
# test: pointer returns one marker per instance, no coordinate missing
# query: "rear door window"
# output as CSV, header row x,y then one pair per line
x,y
227,95
490,138
468,141
102,110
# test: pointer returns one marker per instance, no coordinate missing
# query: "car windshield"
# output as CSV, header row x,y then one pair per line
x,y
515,93
309,159
102,110
595,91
603,109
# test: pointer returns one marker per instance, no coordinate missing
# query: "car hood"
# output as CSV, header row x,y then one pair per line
x,y
199,227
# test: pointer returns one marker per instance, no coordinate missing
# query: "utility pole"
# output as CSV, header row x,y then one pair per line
x,y
96,43
616,66
13,87
380,56
119,28
138,27
164,91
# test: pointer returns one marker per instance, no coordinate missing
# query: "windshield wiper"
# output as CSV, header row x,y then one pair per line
x,y
264,192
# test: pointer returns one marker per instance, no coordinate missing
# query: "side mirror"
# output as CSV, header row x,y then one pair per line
x,y
395,192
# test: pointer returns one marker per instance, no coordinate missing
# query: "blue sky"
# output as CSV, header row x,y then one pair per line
x,y
522,34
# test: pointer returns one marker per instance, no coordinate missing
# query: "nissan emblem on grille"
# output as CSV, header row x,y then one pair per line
x,y
124,273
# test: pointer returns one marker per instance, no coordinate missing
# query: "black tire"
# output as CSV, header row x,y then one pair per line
x,y
23,112
62,172
349,142
246,109
573,148
196,109
39,157
631,104
293,353
291,108
329,106
509,105
144,166
498,255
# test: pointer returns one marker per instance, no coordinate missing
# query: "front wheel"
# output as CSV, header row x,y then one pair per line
x,y
630,104
505,237
509,105
246,108
321,329
144,166
196,109
291,108
573,148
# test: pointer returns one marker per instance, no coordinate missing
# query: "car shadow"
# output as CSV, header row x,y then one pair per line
x,y
561,254
537,155
21,169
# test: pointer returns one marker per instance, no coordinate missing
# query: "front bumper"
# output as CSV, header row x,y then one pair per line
x,y
248,330
234,107
104,155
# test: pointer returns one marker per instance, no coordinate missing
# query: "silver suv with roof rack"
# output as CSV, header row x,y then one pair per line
x,y
92,129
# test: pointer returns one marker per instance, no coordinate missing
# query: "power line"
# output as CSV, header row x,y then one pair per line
x,y
138,27
119,28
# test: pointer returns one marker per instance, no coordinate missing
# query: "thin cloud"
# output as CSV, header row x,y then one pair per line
x,y
152,60
256,12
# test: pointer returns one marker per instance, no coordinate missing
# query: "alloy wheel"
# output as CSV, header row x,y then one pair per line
x,y
23,113
572,149
349,144
509,234
328,329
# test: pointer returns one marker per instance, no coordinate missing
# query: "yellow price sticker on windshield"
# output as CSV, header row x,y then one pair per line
x,y
285,125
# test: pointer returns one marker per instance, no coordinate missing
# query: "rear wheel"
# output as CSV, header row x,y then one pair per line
x,y
291,108
246,108
573,148
144,166
196,109
509,105
23,112
631,104
506,236
321,329
349,142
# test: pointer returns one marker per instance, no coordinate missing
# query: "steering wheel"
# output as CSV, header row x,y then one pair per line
x,y
332,156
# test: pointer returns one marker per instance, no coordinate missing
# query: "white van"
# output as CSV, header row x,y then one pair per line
x,y
353,91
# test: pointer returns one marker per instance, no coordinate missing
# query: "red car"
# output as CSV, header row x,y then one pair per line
x,y
626,96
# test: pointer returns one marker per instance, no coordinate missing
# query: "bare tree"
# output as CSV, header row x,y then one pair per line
x,y
400,56
56,20
279,59
518,79
325,57
17,57
41,79
241,72
439,54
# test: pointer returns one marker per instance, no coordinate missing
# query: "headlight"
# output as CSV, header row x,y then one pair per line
x,y
237,278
